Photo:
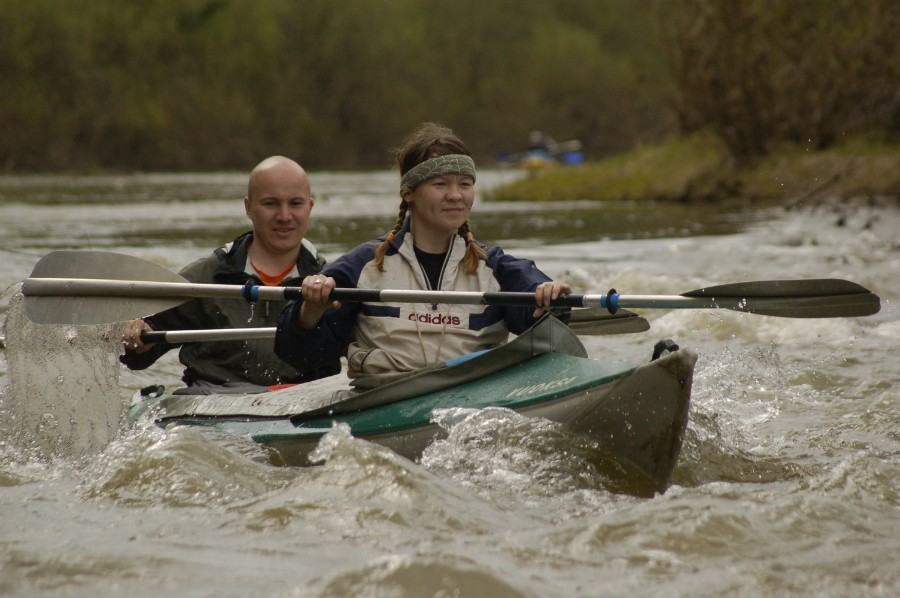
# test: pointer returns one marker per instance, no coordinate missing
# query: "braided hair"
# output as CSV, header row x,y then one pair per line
x,y
428,141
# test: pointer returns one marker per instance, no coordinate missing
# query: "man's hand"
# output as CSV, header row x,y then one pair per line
x,y
131,336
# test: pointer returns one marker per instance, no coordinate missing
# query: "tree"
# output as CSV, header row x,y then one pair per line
x,y
766,72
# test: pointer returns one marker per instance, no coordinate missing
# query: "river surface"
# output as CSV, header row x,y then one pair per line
x,y
787,485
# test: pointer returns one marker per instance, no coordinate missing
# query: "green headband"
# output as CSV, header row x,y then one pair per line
x,y
439,166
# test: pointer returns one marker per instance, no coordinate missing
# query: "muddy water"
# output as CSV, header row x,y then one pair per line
x,y
787,484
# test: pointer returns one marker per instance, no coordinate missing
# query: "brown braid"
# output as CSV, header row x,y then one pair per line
x,y
474,252
383,247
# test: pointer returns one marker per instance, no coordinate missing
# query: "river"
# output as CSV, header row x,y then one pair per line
x,y
787,485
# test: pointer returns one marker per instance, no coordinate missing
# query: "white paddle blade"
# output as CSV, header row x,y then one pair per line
x,y
101,265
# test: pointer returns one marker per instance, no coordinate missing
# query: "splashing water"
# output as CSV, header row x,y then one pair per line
x,y
63,398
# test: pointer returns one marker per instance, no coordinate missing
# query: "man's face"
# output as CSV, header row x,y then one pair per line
x,y
279,206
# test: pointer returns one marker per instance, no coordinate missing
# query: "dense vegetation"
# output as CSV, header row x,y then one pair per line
x,y
211,84
169,84
776,100
767,72
699,168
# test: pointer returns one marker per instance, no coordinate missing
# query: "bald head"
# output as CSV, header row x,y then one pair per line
x,y
278,203
282,170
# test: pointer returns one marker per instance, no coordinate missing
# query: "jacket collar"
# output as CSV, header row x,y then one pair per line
x,y
403,244
233,260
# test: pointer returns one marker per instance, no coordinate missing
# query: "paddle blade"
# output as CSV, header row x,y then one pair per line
x,y
104,265
815,298
93,310
96,309
596,321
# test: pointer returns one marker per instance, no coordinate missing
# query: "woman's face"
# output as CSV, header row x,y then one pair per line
x,y
439,206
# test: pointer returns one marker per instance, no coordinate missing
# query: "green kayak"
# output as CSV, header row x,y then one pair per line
x,y
635,413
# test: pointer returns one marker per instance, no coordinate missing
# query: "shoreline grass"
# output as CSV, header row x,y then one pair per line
x,y
697,168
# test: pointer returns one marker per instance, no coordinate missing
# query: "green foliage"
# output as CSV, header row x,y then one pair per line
x,y
203,84
699,168
169,84
768,72
667,171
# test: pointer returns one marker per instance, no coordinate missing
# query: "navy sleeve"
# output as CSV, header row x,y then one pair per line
x,y
517,275
308,350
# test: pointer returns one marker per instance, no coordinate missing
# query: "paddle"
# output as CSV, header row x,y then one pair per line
x,y
53,298
585,322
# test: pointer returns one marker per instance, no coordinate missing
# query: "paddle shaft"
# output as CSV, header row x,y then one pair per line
x,y
120,288
61,291
193,336
804,298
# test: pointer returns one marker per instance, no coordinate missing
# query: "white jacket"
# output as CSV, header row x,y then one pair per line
x,y
390,338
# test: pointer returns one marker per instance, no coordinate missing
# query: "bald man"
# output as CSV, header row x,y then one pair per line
x,y
275,252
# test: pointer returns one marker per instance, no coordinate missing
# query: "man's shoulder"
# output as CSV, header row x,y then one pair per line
x,y
229,259
309,258
201,270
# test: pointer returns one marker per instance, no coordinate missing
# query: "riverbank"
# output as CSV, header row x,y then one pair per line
x,y
699,169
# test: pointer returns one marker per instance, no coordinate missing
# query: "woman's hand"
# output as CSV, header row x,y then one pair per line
x,y
546,292
131,336
315,290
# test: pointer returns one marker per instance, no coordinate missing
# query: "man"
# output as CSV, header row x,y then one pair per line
x,y
275,252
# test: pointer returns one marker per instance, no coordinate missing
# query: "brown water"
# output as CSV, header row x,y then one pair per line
x,y
787,484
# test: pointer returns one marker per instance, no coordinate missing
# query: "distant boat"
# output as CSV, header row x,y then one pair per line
x,y
566,153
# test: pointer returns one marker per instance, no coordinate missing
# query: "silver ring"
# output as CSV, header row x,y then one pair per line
x,y
317,282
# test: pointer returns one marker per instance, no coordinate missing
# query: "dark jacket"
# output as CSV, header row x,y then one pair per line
x,y
242,361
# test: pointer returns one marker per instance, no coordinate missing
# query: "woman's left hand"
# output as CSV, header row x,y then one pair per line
x,y
546,292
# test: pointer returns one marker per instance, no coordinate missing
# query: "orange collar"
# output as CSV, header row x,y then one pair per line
x,y
271,280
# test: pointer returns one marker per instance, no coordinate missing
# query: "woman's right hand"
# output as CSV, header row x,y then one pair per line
x,y
316,290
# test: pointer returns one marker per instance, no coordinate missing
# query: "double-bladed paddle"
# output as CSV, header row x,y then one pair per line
x,y
589,321
113,287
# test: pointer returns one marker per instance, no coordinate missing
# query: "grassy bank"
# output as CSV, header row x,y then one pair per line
x,y
697,168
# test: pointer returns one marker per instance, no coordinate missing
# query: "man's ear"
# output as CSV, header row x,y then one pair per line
x,y
247,206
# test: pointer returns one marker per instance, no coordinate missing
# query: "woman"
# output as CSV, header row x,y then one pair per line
x,y
430,247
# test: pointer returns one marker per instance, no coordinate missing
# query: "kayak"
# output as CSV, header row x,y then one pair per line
x,y
635,414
